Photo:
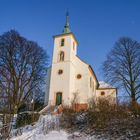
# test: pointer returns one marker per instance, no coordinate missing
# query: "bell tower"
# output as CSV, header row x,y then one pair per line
x,y
65,45
64,53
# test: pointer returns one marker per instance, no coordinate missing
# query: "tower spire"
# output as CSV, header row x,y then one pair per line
x,y
66,27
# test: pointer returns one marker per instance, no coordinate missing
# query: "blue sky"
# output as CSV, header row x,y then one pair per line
x,y
97,24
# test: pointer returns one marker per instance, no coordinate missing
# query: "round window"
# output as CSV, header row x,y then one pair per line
x,y
79,76
60,71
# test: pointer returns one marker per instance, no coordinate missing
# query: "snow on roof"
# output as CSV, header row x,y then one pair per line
x,y
102,84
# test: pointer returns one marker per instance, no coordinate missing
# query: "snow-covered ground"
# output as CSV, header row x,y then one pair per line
x,y
47,128
52,135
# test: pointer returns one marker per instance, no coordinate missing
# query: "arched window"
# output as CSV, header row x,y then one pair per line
x,y
92,86
73,46
62,42
90,82
61,56
60,71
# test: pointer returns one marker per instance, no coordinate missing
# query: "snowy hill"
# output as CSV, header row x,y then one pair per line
x,y
47,128
53,135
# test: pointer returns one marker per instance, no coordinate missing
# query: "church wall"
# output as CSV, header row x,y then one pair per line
x,y
72,81
110,94
81,85
60,83
92,87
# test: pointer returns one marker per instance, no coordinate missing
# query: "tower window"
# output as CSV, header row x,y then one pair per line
x,y
61,56
90,82
93,86
62,42
73,46
102,93
60,72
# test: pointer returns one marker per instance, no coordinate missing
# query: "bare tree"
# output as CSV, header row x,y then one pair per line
x,y
22,68
122,67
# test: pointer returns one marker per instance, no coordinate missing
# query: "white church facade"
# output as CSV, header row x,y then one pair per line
x,y
69,76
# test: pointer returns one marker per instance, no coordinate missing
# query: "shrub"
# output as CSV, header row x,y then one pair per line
x,y
67,119
104,118
26,118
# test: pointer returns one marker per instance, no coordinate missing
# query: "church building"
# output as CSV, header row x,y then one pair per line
x,y
71,79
